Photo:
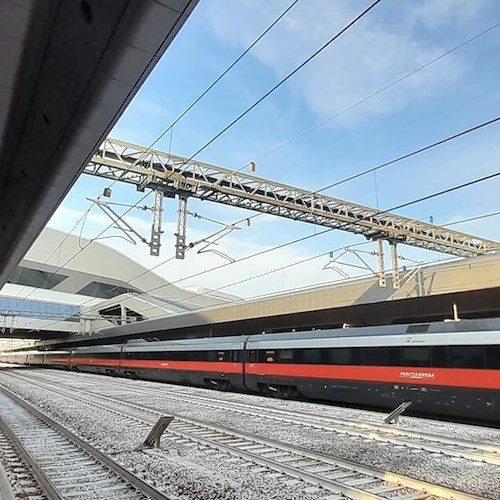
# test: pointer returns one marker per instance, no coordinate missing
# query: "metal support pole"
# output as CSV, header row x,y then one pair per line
x,y
396,278
394,415
382,281
123,311
182,213
153,438
154,246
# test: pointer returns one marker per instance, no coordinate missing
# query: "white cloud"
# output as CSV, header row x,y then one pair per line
x,y
371,55
436,14
148,108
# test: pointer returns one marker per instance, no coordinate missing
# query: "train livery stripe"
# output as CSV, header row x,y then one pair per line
x,y
200,366
454,377
451,377
96,362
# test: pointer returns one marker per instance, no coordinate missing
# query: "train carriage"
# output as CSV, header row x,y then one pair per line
x,y
105,360
214,362
444,369
449,368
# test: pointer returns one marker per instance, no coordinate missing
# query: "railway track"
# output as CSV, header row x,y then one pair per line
x,y
432,443
53,463
19,472
341,477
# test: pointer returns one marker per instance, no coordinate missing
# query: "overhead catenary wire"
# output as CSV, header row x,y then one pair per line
x,y
380,212
409,155
471,219
380,91
419,150
281,82
262,252
400,158
309,287
388,163
316,285
296,263
185,278
434,195
193,104
374,94
281,268
284,245
201,96
285,79
170,128
162,263
224,73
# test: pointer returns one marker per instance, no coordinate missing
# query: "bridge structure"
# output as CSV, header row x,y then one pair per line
x,y
175,176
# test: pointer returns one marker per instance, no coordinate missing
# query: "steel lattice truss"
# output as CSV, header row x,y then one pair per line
x,y
145,168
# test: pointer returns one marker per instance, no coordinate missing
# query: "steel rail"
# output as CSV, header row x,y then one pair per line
x,y
471,450
111,404
134,481
43,481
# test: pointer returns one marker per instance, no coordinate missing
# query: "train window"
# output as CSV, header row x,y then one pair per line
x,y
252,356
492,355
261,356
270,356
340,356
374,356
203,355
439,356
236,356
210,356
466,356
285,356
356,356
311,356
416,356
417,328
394,356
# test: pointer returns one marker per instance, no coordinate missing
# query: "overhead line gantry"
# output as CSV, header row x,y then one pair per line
x,y
170,175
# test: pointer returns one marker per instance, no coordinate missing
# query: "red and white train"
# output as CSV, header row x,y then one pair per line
x,y
449,369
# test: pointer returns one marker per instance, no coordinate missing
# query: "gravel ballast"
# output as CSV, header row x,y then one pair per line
x,y
188,471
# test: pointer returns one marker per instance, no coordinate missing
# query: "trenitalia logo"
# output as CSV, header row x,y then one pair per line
x,y
418,375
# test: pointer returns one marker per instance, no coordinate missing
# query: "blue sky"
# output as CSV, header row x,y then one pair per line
x,y
457,92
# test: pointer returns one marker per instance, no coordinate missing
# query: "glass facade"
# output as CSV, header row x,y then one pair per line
x,y
24,307
104,290
35,278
